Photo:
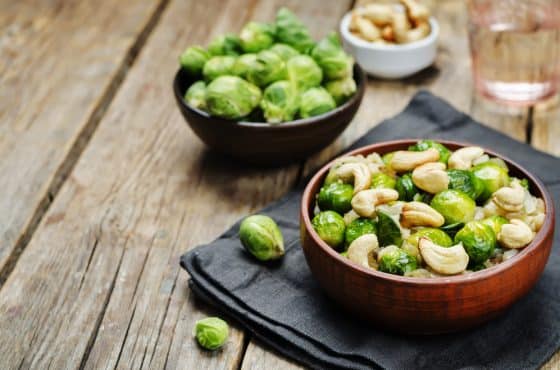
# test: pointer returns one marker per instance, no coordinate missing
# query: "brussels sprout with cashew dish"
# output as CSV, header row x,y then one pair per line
x,y
427,211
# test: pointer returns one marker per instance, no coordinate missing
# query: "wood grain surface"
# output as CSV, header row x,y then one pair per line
x,y
104,186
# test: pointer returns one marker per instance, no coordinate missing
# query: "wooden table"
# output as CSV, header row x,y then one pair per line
x,y
104,186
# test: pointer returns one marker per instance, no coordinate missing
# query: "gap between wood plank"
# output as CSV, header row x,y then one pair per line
x,y
529,126
81,142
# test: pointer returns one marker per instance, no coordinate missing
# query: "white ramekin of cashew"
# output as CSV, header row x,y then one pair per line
x,y
391,40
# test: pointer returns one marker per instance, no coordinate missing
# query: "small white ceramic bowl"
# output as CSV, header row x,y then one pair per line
x,y
391,61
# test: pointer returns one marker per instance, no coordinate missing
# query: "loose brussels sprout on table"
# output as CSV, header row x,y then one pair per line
x,y
414,233
211,333
261,237
292,76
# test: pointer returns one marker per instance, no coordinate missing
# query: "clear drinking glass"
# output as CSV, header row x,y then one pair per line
x,y
515,48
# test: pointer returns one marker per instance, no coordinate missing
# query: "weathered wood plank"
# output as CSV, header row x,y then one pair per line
x,y
60,63
259,356
546,126
109,292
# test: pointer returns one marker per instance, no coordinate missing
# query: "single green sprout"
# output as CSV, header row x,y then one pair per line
x,y
454,205
406,188
244,64
211,332
493,177
261,237
495,222
193,60
330,227
478,240
228,44
382,180
279,102
284,51
267,68
196,95
332,59
388,230
231,97
218,66
466,182
336,197
396,261
341,90
359,227
256,36
315,101
290,30
304,72
423,145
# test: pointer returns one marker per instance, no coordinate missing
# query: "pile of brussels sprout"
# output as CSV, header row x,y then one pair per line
x,y
426,211
273,72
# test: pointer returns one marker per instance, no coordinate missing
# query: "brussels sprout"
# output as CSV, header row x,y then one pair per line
x,y
193,59
382,180
423,197
290,30
231,97
478,240
523,182
261,237
196,95
218,66
341,90
396,261
330,227
344,254
225,45
304,72
279,102
389,231
465,181
268,68
492,177
437,236
211,332
499,162
454,205
452,229
406,188
359,227
495,222
244,64
423,145
334,62
256,36
284,51
335,197
315,101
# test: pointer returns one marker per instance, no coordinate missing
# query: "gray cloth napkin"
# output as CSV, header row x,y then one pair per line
x,y
283,306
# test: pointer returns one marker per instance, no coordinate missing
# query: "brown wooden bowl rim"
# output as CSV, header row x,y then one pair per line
x,y
355,99
488,273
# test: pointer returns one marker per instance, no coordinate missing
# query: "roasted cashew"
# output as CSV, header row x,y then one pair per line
x,y
380,14
416,11
361,249
516,234
350,216
462,159
510,198
431,177
447,261
357,172
401,26
420,214
404,160
419,32
366,29
364,202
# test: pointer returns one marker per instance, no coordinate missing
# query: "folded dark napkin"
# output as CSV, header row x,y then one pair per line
x,y
282,305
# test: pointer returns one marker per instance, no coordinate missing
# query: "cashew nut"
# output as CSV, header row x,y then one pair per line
x,y
404,160
419,32
431,177
462,159
412,250
358,172
361,250
447,261
380,14
419,273
387,33
510,198
401,26
364,202
420,214
365,28
516,234
535,221
509,254
416,11
350,216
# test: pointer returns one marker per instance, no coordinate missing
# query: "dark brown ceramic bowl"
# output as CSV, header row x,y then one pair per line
x,y
265,144
423,305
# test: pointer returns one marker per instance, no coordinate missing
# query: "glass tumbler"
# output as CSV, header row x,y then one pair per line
x,y
515,49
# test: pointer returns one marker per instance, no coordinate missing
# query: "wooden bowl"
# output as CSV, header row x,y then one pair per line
x,y
423,305
265,144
